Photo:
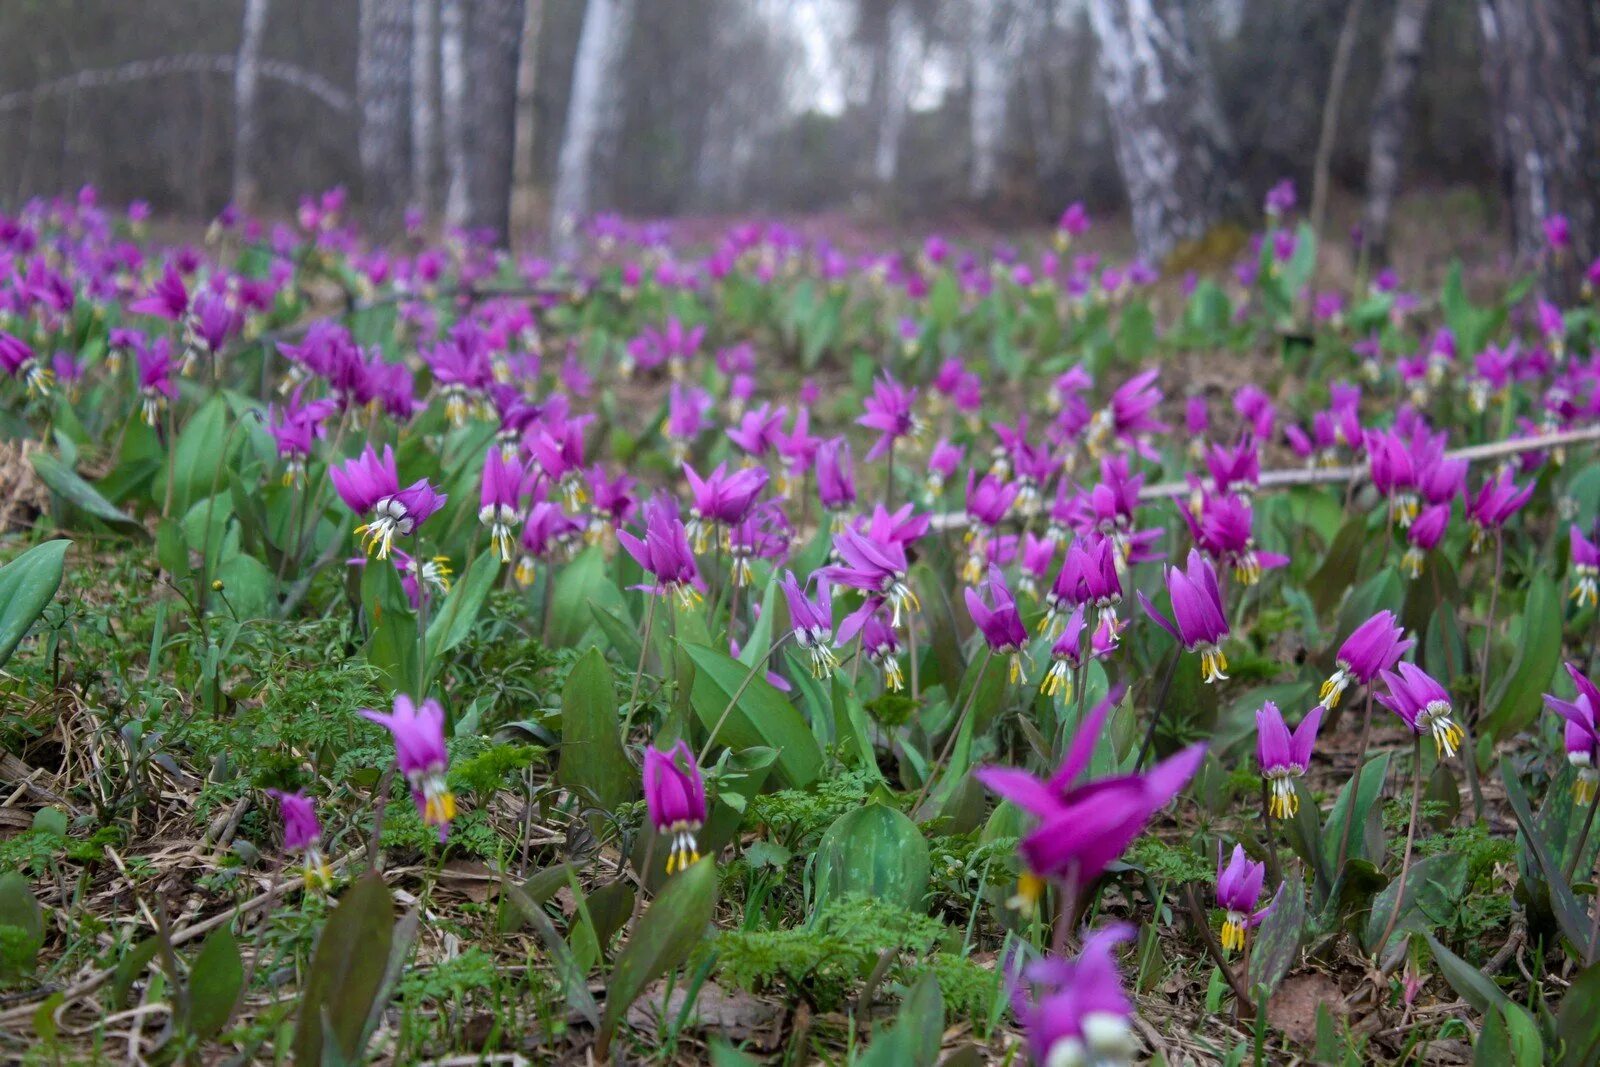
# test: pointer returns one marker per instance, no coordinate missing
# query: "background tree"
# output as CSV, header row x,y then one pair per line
x,y
383,84
1391,114
246,103
590,110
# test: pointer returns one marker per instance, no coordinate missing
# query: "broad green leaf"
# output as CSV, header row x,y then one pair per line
x,y
1277,942
1434,885
65,483
201,457
1570,914
666,934
875,851
1371,779
850,726
917,1032
20,911
761,715
593,763
460,608
580,582
215,980
1517,696
1470,983
346,973
1578,1020
129,967
27,585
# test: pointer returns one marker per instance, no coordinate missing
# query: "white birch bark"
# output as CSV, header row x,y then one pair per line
x,y
246,103
602,44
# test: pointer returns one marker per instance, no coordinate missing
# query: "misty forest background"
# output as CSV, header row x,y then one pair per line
x,y
521,117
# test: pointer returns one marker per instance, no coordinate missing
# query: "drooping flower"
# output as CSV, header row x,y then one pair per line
x,y
155,367
1066,655
1198,621
369,484
418,733
999,622
294,428
1586,569
813,624
889,411
20,362
836,478
303,833
664,553
882,646
876,565
1497,501
675,798
1238,892
1083,827
548,533
1423,704
1581,733
1284,756
1078,1014
1373,647
720,500
1423,536
502,488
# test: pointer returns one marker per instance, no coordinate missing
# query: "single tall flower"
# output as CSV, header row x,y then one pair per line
x,y
1001,624
664,553
370,484
303,833
1066,655
813,624
1423,537
889,411
1373,647
1238,893
877,566
1581,733
675,798
1497,501
1198,622
1284,756
1424,704
419,749
502,487
1079,1014
882,646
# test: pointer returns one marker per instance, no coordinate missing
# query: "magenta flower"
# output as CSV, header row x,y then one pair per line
x,y
498,499
1558,233
1423,537
155,368
758,430
370,484
1423,704
1394,475
1497,501
665,554
1079,1013
548,533
877,566
19,362
1083,827
882,647
675,799
813,624
1284,756
1373,647
1581,733
1585,568
1066,655
294,428
720,499
1222,528
1000,623
1238,893
888,410
1198,622
418,733
836,478
942,463
558,452
1280,198
1128,418
302,833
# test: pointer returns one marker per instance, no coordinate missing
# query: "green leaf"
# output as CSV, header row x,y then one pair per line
x,y
1570,914
200,456
917,1032
593,763
19,910
875,851
215,980
1371,778
1519,694
1470,983
665,936
346,974
460,609
568,974
65,483
1578,1021
761,716
129,967
27,585
623,634
851,728
1277,944
580,582
1433,885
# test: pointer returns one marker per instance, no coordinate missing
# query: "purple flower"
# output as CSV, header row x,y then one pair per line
x,y
1238,893
664,553
1284,756
1066,654
1079,1013
813,624
548,532
498,499
888,410
675,798
877,566
836,478
294,428
1423,704
1373,647
19,361
1001,623
1581,733
155,367
1497,501
942,463
1423,536
1083,827
720,499
1198,622
369,484
419,749
1281,198
882,646
1558,233
302,833
758,430
1222,528
1585,568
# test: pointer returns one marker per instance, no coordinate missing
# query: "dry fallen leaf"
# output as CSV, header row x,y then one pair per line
x,y
1293,1008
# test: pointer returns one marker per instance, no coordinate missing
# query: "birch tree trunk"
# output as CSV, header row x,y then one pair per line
x,y
424,103
523,170
990,86
246,104
495,38
1391,115
1329,132
1172,143
453,109
896,74
383,76
1539,59
602,43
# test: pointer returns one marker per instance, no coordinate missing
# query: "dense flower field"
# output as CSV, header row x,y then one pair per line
x,y
779,649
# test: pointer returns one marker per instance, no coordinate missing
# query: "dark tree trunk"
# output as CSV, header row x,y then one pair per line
x,y
383,78
1539,62
424,103
495,43
1391,115
1172,143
